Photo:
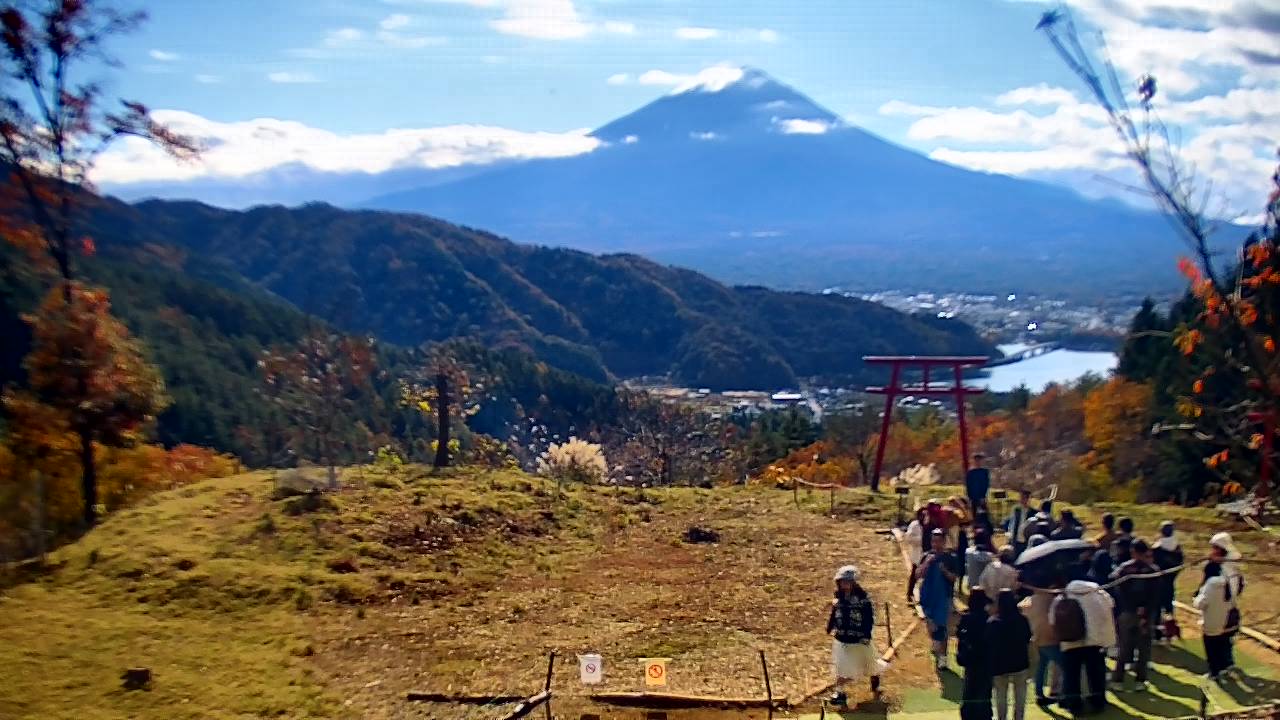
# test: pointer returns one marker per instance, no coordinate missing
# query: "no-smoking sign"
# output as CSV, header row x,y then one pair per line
x,y
655,671
591,668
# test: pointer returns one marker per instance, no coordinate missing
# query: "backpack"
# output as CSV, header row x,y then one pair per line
x,y
1068,619
1233,614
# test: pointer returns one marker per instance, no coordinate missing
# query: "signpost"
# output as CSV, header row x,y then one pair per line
x,y
655,671
591,669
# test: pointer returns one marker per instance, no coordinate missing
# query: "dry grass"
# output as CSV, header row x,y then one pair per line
x,y
463,582
458,582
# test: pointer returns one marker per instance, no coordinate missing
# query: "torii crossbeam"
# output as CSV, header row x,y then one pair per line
x,y
952,387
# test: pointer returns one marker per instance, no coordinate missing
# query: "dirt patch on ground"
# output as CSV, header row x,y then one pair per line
x,y
640,592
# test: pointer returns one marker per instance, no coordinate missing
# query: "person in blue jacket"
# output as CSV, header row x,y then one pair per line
x,y
977,482
939,569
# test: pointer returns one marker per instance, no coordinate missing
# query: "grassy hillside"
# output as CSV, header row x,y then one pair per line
x,y
245,606
461,581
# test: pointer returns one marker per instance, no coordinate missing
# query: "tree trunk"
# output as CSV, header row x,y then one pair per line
x,y
38,514
88,479
442,420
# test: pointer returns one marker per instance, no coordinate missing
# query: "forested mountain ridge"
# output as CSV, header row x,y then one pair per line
x,y
410,279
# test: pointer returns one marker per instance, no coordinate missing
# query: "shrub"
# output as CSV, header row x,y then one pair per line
x,y
574,461
387,459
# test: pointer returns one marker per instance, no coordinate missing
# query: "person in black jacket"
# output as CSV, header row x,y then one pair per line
x,y
850,624
1167,553
1008,641
972,655
1138,600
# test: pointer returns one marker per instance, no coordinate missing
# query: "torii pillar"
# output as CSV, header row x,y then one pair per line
x,y
953,388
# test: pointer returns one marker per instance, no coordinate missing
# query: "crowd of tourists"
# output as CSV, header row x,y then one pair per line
x,y
1044,617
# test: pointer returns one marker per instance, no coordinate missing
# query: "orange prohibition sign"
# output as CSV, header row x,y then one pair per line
x,y
655,672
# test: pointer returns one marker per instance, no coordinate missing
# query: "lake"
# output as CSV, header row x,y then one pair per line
x,y
1038,372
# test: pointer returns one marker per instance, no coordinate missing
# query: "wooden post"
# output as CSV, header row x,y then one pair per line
x,y
889,397
768,687
964,434
888,622
551,663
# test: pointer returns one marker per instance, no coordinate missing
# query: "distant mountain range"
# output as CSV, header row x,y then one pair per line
x,y
752,182
411,279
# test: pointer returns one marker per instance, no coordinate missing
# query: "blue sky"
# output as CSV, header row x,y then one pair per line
x,y
967,81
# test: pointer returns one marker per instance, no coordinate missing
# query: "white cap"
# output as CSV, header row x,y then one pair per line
x,y
847,572
1224,542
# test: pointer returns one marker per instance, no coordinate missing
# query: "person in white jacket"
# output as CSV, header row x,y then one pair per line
x,y
913,540
1214,600
1086,653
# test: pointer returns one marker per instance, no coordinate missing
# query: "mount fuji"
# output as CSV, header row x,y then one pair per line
x,y
752,182
742,177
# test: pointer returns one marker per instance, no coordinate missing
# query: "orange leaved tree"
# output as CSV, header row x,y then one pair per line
x,y
317,383
84,364
1236,325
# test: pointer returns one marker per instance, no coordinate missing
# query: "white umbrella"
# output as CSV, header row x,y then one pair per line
x,y
1044,550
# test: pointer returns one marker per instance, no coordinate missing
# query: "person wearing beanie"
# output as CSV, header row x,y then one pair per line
x,y
852,619
1215,601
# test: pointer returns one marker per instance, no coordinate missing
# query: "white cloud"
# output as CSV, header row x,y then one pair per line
x,y
537,19
394,39
697,33
619,79
630,140
207,79
163,55
800,126
618,27
764,35
493,59
1232,157
711,79
292,78
395,21
704,135
342,37
238,149
542,20
1225,136
1187,44
1041,94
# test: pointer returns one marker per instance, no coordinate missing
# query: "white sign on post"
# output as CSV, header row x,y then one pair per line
x,y
591,667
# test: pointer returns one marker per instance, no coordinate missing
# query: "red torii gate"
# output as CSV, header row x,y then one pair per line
x,y
955,390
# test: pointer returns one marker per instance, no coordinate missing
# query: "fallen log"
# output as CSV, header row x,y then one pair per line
x,y
893,649
675,701
461,699
527,706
